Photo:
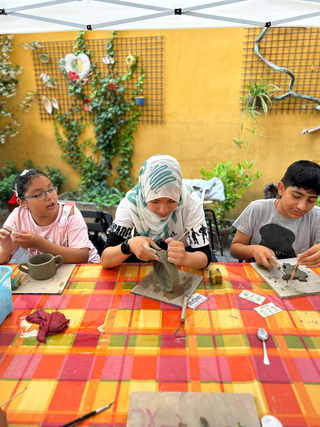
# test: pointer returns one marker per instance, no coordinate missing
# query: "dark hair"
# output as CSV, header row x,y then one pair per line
x,y
303,174
22,181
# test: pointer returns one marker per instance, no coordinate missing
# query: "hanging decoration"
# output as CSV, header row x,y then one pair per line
x,y
76,68
286,71
131,60
108,60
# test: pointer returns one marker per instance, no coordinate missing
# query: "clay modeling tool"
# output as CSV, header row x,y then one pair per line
x,y
13,397
88,415
183,316
293,274
188,229
278,267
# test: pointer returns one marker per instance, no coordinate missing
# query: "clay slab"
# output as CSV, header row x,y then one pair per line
x,y
150,288
273,278
55,285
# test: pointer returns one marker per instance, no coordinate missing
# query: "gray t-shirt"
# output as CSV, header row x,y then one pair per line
x,y
287,237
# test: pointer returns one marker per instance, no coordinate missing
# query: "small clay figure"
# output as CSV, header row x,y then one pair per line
x,y
166,273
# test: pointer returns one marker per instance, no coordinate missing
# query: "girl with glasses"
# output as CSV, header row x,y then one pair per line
x,y
42,224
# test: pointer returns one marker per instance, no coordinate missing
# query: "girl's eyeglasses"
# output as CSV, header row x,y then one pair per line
x,y
42,196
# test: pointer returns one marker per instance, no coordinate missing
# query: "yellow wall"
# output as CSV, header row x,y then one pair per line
x,y
202,81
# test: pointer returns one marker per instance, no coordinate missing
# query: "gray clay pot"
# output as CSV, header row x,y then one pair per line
x,y
166,273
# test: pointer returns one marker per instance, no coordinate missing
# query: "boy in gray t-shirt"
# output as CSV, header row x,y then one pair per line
x,y
283,228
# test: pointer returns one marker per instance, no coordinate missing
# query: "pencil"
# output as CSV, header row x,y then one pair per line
x,y
88,415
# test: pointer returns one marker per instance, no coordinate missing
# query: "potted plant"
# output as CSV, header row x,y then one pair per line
x,y
235,180
259,94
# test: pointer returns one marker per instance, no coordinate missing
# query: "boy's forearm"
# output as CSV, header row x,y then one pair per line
x,y
241,251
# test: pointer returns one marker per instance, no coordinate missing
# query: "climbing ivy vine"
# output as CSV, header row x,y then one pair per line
x,y
114,118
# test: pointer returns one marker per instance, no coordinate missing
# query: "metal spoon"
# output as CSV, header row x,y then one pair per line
x,y
262,334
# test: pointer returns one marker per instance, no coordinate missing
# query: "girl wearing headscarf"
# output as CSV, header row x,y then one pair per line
x,y
154,215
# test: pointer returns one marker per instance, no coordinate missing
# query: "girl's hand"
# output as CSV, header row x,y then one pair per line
x,y
25,238
3,416
6,243
176,252
144,248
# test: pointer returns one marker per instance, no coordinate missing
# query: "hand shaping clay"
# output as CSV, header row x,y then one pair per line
x,y
166,273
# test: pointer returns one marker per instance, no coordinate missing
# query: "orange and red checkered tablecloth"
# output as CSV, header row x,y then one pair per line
x,y
118,342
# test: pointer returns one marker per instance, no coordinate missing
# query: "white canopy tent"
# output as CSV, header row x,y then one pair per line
x,y
32,16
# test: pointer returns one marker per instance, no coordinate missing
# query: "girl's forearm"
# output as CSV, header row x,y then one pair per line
x,y
4,256
196,260
112,257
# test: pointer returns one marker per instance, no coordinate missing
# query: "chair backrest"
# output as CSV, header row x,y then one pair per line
x,y
100,224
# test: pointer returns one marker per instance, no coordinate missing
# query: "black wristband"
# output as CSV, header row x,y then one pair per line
x,y
125,248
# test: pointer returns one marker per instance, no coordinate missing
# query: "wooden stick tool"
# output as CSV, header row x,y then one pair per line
x,y
13,397
189,229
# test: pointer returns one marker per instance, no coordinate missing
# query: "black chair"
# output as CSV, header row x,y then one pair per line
x,y
99,222
212,224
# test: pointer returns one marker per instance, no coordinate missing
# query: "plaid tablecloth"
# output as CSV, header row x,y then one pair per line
x,y
118,342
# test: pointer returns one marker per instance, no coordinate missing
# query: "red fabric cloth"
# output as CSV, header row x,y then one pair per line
x,y
50,324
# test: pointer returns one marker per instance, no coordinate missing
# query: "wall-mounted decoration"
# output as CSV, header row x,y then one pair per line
x,y
108,60
48,81
151,54
76,68
131,60
140,100
87,104
295,49
44,58
54,103
47,104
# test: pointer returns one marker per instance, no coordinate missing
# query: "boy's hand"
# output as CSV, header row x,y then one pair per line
x,y
6,243
176,252
311,257
264,256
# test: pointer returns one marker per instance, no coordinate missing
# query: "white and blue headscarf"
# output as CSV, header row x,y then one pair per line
x,y
160,176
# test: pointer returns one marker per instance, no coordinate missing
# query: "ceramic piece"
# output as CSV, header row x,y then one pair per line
x,y
44,58
131,60
42,266
167,274
108,60
78,64
47,104
87,104
54,103
140,100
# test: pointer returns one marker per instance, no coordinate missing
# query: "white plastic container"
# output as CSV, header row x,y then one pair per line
x,y
5,292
